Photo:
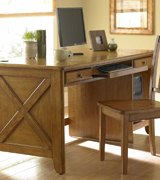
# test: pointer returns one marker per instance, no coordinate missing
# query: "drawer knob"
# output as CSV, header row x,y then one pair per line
x,y
80,76
144,62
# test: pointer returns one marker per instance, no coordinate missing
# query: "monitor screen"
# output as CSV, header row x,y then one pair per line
x,y
71,26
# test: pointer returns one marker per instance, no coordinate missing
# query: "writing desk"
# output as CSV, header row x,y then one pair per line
x,y
32,100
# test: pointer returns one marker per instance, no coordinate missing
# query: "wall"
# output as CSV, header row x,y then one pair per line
x,y
96,13
68,3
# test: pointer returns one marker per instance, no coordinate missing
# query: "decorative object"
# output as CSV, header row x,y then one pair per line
x,y
30,49
30,38
112,46
61,54
132,17
98,40
41,44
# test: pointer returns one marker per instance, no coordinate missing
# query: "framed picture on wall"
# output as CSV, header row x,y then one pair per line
x,y
132,16
98,40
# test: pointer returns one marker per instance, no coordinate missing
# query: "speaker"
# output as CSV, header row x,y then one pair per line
x,y
41,43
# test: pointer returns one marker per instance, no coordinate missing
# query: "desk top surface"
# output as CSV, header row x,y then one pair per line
x,y
89,59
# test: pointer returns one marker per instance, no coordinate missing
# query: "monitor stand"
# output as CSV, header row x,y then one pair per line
x,y
72,54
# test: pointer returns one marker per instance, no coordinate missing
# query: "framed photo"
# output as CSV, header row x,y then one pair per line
x,y
98,40
132,17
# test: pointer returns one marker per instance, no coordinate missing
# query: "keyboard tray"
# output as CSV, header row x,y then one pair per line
x,y
118,73
113,67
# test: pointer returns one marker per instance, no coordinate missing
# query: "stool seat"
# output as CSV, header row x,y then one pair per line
x,y
131,106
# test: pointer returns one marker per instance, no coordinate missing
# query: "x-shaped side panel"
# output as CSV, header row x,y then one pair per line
x,y
24,110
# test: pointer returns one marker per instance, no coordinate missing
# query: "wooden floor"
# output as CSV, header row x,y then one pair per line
x,y
82,162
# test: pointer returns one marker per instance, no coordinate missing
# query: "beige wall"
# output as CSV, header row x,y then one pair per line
x,y
68,3
96,14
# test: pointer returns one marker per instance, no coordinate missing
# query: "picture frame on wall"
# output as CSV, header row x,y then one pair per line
x,y
98,40
132,17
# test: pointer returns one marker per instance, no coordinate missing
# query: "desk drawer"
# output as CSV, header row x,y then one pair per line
x,y
78,75
143,62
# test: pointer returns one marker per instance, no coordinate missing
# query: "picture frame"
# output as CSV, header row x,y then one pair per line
x,y
132,17
98,40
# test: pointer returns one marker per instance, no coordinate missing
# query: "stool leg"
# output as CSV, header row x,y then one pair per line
x,y
124,143
152,137
102,133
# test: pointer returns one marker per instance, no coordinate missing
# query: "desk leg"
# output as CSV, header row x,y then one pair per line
x,y
58,144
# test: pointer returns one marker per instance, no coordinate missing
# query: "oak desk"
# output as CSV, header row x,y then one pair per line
x,y
32,100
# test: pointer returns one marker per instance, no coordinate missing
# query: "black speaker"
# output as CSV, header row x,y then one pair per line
x,y
41,43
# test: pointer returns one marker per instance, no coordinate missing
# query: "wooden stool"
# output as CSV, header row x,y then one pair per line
x,y
132,110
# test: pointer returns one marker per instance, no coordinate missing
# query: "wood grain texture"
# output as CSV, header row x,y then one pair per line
x,y
78,75
132,110
28,150
143,62
28,126
83,109
140,125
11,125
124,143
152,137
127,72
102,35
102,133
23,71
111,113
17,83
148,115
33,94
132,106
86,75
89,59
154,68
121,72
22,131
66,121
42,112
58,144
92,59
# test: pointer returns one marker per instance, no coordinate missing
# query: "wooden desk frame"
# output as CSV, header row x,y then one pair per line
x,y
32,105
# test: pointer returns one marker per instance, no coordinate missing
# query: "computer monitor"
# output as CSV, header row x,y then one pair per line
x,y
71,27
